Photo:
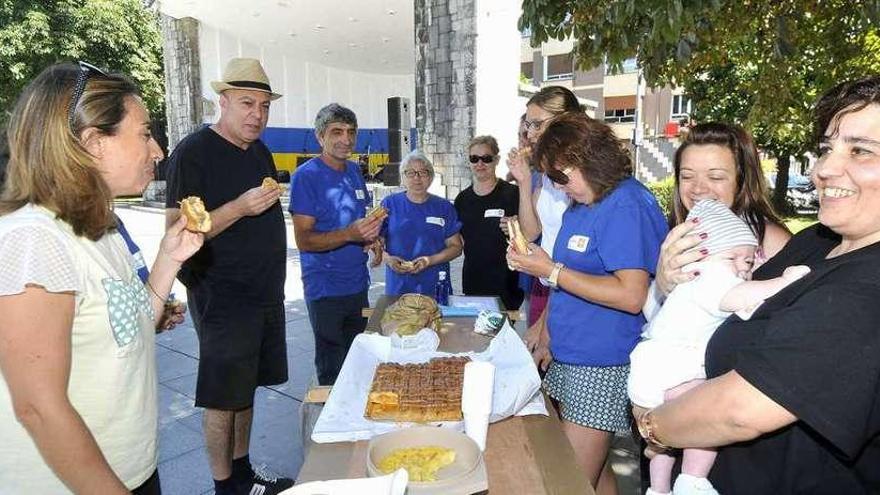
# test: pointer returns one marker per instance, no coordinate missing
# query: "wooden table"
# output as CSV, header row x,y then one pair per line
x,y
524,454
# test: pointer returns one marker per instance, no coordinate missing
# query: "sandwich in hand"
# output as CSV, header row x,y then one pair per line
x,y
379,212
270,183
517,239
197,217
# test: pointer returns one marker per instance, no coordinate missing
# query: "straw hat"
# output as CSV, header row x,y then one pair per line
x,y
244,73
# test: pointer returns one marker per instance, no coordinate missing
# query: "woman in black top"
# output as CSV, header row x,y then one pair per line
x,y
480,208
794,394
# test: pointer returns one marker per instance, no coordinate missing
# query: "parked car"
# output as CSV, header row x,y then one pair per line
x,y
801,193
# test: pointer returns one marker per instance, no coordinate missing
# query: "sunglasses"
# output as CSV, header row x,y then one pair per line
x,y
420,173
481,158
85,71
560,177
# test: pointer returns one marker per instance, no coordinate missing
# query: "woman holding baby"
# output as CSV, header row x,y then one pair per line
x,y
793,396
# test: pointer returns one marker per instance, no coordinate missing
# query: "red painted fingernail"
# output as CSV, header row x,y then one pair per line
x,y
696,273
704,251
695,220
704,235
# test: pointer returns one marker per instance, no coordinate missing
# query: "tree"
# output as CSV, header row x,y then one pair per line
x,y
118,35
754,62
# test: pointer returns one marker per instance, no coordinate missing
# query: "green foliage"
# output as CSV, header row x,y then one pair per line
x,y
118,35
753,62
664,190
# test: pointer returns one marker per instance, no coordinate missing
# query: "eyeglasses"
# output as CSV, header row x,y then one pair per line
x,y
534,124
420,173
560,177
481,158
85,70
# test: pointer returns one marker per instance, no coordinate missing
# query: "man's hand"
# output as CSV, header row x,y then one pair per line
x,y
256,200
376,250
364,229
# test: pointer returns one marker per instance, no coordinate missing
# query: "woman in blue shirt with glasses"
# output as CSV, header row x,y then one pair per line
x,y
421,232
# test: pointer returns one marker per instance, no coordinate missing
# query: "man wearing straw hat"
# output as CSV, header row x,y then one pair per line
x,y
235,284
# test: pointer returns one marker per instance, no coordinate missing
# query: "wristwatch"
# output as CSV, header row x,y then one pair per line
x,y
553,278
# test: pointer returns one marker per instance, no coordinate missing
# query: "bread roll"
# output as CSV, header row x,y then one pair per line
x,y
197,217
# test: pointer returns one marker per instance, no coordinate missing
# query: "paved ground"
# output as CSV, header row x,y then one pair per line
x,y
276,442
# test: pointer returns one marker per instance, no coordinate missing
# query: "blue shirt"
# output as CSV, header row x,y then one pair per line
x,y
335,200
417,229
622,231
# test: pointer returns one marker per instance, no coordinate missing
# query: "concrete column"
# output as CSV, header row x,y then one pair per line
x,y
445,104
183,98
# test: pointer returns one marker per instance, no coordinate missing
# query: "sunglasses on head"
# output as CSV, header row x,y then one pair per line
x,y
481,158
85,70
560,177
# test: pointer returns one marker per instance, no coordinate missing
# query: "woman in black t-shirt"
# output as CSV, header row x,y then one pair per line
x,y
794,394
480,208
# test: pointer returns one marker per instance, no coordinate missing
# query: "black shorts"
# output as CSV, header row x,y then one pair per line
x,y
241,347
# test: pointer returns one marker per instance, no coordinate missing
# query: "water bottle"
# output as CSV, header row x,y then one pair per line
x,y
442,289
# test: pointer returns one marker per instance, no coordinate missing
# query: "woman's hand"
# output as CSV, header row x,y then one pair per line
x,y
172,316
542,357
396,264
503,224
537,263
673,256
420,264
179,244
518,163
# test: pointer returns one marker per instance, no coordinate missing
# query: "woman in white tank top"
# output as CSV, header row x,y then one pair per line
x,y
541,209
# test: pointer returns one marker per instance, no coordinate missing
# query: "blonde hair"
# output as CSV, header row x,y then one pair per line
x,y
487,140
556,100
48,164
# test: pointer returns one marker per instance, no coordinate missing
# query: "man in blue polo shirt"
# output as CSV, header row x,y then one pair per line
x,y
328,202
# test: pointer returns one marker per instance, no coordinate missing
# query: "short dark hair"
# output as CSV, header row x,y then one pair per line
x,y
590,146
847,97
333,113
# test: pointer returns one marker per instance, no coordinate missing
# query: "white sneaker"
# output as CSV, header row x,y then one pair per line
x,y
686,484
651,491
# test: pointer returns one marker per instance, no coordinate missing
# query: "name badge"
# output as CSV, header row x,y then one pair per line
x,y
436,221
578,243
359,193
496,213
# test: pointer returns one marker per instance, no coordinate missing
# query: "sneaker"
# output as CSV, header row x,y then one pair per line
x,y
650,491
263,483
686,484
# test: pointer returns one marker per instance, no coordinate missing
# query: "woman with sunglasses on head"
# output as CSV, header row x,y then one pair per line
x,y
420,234
480,208
78,399
541,207
601,264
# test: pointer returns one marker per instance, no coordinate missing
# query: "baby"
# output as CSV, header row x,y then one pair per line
x,y
669,359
